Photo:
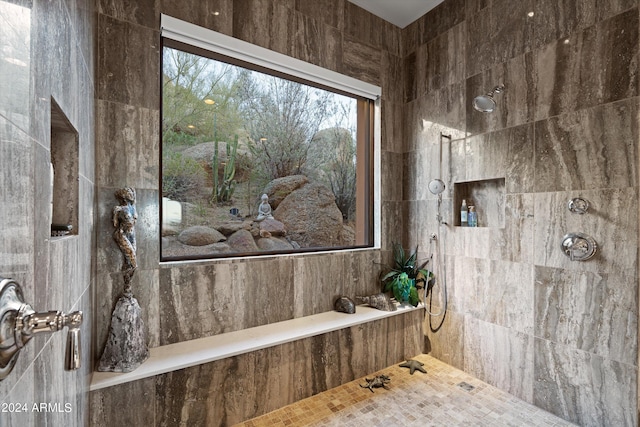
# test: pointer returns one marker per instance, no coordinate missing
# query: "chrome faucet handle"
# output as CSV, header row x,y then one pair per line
x,y
19,322
578,205
577,249
578,246
73,354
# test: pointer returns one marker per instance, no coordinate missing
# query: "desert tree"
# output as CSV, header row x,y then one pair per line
x,y
189,80
332,158
281,117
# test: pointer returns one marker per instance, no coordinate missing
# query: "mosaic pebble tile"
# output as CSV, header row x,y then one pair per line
x,y
434,399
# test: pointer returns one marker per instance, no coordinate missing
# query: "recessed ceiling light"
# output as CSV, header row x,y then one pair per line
x,y
530,14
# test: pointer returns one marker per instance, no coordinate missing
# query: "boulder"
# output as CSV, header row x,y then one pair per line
x,y
273,244
255,229
312,218
229,227
348,235
280,188
273,227
171,230
171,247
200,235
203,152
242,241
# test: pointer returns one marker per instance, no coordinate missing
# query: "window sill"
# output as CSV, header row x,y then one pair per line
x,y
186,354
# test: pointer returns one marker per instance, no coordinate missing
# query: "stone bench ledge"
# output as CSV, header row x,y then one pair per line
x,y
199,351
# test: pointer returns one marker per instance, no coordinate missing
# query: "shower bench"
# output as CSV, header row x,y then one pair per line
x,y
195,352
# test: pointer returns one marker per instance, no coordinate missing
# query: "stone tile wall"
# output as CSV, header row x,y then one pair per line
x,y
235,389
47,56
557,333
183,301
522,316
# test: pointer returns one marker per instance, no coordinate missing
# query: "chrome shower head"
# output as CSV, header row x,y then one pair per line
x,y
486,103
436,186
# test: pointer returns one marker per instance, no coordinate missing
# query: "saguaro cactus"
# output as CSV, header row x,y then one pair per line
x,y
214,171
223,191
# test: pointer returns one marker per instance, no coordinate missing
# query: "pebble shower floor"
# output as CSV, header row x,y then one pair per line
x,y
445,396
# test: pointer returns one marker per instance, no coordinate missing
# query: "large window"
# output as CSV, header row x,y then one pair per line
x,y
259,160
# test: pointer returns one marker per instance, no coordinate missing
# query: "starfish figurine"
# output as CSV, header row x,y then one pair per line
x,y
375,382
413,365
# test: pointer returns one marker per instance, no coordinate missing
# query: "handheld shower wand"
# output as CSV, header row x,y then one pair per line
x,y
436,186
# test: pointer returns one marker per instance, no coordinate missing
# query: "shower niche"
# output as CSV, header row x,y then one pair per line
x,y
487,195
63,174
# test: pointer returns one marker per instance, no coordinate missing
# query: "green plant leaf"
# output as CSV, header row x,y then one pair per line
x,y
414,299
423,265
388,286
411,261
405,263
390,274
398,255
426,273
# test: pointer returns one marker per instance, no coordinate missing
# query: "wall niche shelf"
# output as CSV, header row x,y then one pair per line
x,y
487,195
64,174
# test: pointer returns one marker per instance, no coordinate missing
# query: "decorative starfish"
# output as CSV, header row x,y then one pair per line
x,y
375,382
413,365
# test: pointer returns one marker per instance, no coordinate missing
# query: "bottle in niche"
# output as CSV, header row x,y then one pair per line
x,y
463,213
472,217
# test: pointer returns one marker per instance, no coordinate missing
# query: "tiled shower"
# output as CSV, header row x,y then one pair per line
x,y
558,333
522,316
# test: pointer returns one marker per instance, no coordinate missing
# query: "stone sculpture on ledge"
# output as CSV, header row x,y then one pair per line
x,y
126,348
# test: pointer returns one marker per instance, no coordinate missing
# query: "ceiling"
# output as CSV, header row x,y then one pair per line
x,y
398,12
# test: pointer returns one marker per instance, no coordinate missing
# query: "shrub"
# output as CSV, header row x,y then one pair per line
x,y
182,176
171,137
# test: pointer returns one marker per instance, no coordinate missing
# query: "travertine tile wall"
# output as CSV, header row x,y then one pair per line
x,y
46,52
349,40
560,334
231,390
191,300
522,316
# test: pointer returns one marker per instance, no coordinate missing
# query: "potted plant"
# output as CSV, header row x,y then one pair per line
x,y
406,276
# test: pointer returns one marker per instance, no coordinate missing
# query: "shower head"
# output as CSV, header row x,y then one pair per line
x,y
436,186
486,103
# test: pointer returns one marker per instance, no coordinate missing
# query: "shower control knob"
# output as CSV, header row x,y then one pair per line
x,y
578,205
578,246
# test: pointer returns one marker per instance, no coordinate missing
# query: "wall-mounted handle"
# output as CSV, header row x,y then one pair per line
x,y
19,323
578,246
73,354
578,205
